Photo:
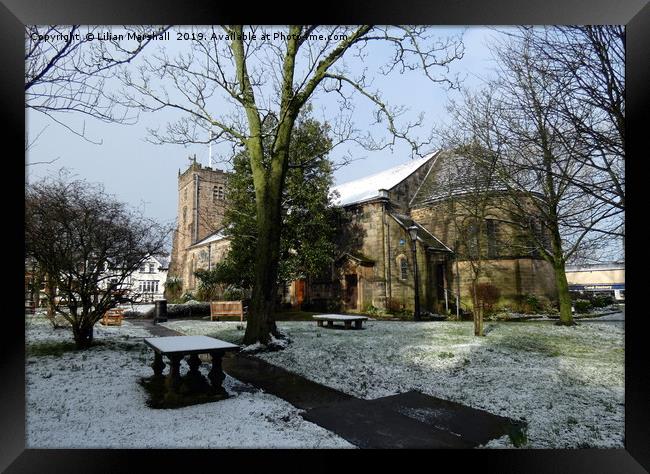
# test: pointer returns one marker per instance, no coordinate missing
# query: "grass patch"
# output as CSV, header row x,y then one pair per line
x,y
44,349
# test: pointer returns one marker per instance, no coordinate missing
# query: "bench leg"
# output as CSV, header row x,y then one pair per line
x,y
330,324
357,324
194,362
175,371
320,323
348,324
216,374
158,364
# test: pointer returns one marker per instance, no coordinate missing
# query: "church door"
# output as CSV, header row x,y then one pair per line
x,y
351,291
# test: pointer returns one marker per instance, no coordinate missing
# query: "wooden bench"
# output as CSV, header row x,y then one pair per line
x,y
113,317
227,308
345,319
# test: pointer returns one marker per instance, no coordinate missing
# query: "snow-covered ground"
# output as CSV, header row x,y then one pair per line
x,y
567,383
92,399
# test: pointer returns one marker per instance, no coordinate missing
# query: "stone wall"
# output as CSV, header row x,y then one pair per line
x,y
203,257
201,206
387,243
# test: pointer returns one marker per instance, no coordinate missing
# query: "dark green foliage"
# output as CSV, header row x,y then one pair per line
x,y
188,310
528,304
602,301
307,246
173,288
582,306
233,293
210,288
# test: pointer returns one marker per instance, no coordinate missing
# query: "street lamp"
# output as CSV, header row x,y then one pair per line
x,y
413,232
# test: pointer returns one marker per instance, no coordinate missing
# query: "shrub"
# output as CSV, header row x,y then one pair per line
x,y
372,310
187,296
334,305
234,293
173,287
394,306
488,294
602,301
528,304
582,306
189,309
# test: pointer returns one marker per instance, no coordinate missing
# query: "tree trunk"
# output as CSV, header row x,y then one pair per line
x,y
83,335
51,306
477,310
564,297
261,324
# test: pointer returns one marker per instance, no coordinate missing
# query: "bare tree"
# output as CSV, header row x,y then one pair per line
x,y
277,71
519,119
67,68
88,245
588,63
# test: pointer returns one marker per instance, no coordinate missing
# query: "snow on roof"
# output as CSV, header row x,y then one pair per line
x,y
367,188
218,235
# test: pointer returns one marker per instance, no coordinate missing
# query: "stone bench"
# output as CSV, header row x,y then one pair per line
x,y
345,319
177,347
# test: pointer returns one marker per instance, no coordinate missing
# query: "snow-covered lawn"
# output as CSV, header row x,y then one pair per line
x,y
92,399
567,383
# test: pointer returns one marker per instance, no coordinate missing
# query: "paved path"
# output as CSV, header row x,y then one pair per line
x,y
154,329
406,420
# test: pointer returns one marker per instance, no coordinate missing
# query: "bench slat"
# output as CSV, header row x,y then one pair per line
x,y
227,308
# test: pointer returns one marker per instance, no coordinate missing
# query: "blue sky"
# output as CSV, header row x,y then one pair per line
x,y
145,175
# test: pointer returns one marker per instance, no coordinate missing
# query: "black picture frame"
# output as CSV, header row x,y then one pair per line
x,y
635,14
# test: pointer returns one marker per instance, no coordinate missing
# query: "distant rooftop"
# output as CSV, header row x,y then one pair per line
x,y
367,188
590,267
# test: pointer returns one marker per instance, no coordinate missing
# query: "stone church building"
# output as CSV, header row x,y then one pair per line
x,y
197,240
378,271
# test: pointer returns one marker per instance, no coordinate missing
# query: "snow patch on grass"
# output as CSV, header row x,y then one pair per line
x,y
92,399
567,383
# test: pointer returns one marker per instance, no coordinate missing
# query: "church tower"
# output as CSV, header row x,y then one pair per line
x,y
201,206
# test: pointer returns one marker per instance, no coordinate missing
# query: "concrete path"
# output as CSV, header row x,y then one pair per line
x,y
406,420
154,329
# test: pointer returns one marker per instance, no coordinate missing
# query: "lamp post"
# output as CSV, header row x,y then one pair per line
x,y
413,232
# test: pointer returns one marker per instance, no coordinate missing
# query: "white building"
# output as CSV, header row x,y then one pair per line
x,y
147,283
598,278
149,280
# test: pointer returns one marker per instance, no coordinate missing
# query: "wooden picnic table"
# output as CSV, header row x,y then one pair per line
x,y
177,347
345,319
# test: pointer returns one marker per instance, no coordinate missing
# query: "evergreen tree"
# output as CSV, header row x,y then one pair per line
x,y
307,245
